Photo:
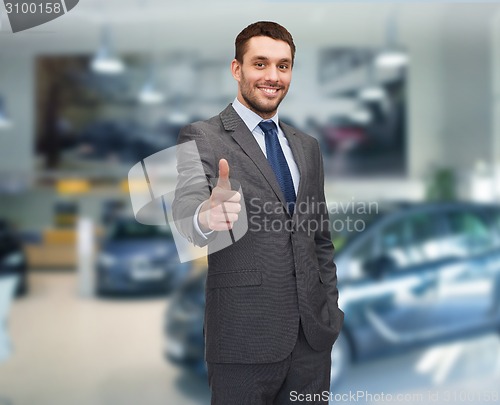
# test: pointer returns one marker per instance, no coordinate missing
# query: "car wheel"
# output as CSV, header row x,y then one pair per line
x,y
341,359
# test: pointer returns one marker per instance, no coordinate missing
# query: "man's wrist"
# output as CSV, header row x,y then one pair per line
x,y
203,217
198,226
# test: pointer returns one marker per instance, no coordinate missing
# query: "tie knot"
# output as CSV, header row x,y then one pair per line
x,y
269,127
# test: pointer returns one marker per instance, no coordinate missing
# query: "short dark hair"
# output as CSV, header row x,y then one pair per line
x,y
262,29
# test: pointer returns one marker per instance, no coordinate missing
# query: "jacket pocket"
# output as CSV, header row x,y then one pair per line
x,y
234,279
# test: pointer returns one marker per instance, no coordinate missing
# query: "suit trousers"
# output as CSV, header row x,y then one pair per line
x,y
303,377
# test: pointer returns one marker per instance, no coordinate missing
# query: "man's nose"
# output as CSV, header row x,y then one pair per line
x,y
272,74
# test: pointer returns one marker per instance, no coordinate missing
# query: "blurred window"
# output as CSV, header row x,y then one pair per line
x,y
423,227
467,234
426,238
363,253
394,240
413,240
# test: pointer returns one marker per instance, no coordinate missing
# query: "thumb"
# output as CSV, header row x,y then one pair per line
x,y
223,181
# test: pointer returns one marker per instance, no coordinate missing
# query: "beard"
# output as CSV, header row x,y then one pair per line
x,y
259,107
258,103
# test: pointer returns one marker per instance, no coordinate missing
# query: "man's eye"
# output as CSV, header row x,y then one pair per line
x,y
284,67
259,64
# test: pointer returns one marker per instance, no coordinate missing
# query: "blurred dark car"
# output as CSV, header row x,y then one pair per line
x,y
408,276
185,344
12,256
138,258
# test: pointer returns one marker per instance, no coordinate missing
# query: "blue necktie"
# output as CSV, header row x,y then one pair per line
x,y
277,161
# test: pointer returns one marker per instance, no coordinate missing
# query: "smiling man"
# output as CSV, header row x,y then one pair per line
x,y
271,313
262,89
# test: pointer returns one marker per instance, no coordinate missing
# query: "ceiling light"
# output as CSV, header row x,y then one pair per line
x,y
105,64
361,115
393,56
372,93
391,59
104,61
372,90
150,95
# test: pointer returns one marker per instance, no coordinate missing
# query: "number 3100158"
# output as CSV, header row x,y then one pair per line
x,y
33,8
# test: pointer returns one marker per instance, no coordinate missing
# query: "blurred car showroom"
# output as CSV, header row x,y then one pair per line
x,y
403,97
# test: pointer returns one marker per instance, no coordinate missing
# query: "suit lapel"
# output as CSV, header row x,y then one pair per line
x,y
245,139
298,155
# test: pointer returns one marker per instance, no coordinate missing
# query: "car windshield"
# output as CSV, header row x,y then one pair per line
x,y
125,230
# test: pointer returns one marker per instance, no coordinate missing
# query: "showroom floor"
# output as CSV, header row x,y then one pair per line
x,y
85,351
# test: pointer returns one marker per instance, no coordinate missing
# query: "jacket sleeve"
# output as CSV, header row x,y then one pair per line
x,y
196,167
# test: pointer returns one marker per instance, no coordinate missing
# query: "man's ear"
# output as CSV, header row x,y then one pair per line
x,y
236,70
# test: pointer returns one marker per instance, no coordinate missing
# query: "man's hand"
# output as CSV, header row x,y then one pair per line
x,y
220,211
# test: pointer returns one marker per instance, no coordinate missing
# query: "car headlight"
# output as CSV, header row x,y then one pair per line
x,y
13,259
107,260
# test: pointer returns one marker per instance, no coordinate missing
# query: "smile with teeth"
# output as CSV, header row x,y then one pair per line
x,y
269,90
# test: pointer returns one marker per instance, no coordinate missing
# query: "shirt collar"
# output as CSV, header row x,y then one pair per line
x,y
250,118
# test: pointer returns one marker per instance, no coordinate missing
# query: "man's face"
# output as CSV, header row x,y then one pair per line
x,y
264,76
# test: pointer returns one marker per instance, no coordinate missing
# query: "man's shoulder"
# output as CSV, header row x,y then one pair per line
x,y
203,125
213,123
301,134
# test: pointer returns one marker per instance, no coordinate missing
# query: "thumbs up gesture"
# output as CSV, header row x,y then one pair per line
x,y
220,211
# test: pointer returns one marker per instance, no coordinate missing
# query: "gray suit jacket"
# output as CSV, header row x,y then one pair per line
x,y
281,270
